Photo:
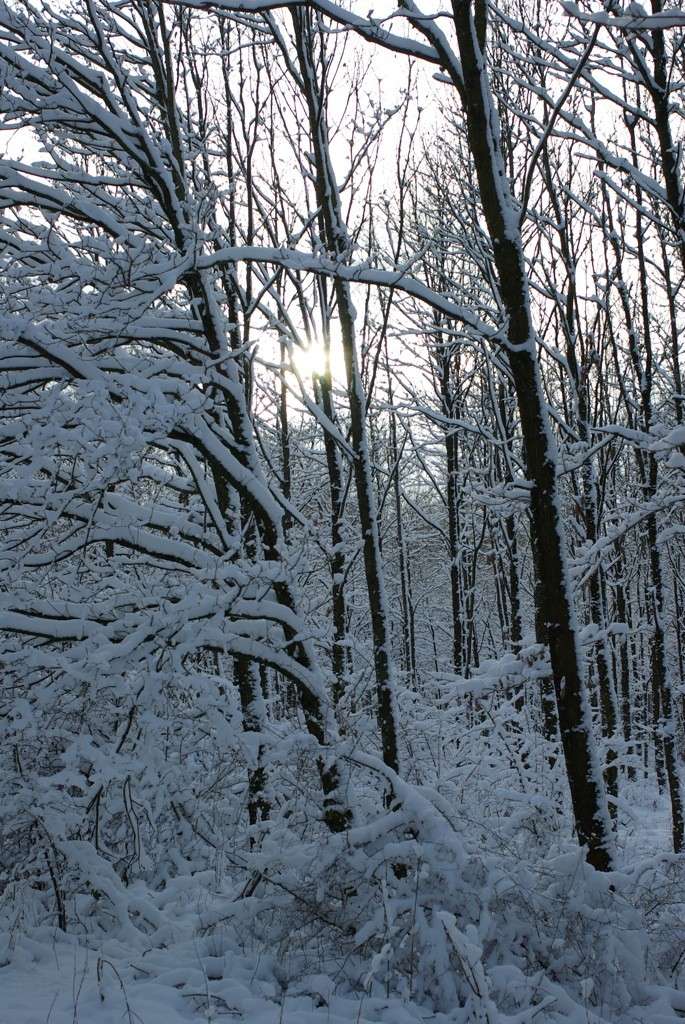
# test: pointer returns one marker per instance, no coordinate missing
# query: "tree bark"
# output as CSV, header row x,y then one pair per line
x,y
585,783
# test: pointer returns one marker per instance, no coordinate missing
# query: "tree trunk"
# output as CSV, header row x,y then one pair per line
x,y
337,242
585,782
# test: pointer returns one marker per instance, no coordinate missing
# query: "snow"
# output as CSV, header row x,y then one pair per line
x,y
190,963
53,980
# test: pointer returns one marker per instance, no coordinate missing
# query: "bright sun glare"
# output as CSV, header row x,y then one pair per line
x,y
311,360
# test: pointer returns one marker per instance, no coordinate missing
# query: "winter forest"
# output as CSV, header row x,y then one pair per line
x,y
342,512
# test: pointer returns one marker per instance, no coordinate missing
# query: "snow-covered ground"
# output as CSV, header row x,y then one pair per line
x,y
188,958
53,981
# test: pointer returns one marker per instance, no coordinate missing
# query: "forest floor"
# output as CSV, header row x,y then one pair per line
x,y
53,981
192,973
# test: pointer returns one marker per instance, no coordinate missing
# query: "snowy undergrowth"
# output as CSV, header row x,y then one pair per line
x,y
480,925
468,900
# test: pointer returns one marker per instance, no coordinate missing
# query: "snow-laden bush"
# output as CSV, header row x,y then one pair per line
x,y
467,895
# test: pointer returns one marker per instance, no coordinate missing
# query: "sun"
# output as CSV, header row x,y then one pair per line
x,y
310,361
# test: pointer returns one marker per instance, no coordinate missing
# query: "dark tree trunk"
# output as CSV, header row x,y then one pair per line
x,y
587,795
338,243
